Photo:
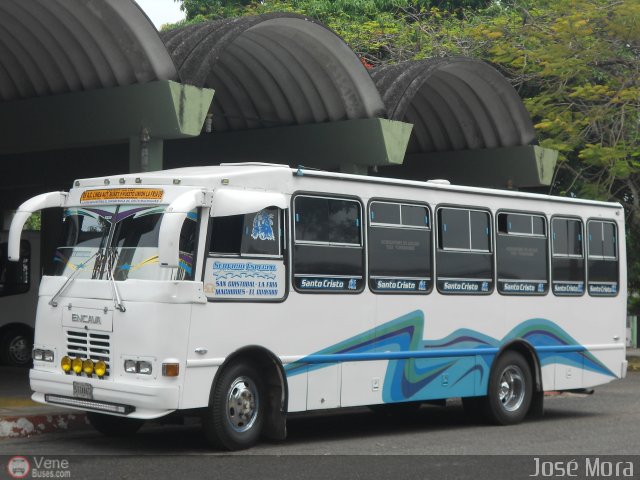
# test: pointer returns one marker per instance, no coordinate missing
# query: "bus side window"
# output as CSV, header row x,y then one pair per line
x,y
245,260
328,245
602,265
521,254
15,276
253,234
464,256
399,248
567,257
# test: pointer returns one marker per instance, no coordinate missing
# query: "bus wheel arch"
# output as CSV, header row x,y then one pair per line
x,y
528,351
272,383
515,388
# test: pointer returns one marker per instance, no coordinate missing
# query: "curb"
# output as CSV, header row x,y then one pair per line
x,y
31,425
634,364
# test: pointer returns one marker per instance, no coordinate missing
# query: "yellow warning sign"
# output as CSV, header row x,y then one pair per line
x,y
122,195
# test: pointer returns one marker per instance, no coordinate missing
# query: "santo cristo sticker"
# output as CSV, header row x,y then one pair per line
x,y
122,194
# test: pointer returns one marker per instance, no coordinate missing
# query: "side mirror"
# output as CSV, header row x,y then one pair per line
x,y
46,200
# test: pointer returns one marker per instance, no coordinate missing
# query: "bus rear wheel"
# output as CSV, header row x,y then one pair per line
x,y
112,426
510,389
236,412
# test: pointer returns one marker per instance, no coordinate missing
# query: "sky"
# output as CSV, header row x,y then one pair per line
x,y
162,11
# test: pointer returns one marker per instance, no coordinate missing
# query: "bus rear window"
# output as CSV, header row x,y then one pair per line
x,y
567,259
602,265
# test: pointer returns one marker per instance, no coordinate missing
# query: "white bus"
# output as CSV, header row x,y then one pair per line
x,y
249,291
19,283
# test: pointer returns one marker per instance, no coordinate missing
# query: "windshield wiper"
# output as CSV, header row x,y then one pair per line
x,y
117,301
54,300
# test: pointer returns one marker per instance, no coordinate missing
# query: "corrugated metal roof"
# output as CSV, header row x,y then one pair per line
x,y
51,47
454,104
273,70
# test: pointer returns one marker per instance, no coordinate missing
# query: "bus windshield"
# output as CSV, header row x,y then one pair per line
x,y
121,239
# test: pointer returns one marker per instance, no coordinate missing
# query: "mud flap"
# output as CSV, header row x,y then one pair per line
x,y
536,409
275,427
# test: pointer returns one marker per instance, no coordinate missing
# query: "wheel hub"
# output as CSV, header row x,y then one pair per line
x,y
511,388
242,404
19,349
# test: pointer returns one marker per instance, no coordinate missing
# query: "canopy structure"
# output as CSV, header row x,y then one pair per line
x,y
51,47
454,104
469,124
274,70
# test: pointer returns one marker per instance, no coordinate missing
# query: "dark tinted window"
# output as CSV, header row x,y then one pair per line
x,y
567,261
327,220
416,216
15,276
256,233
387,213
400,254
328,253
521,254
454,229
464,259
567,237
602,258
480,231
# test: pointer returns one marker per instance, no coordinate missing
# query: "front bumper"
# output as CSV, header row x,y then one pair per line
x,y
150,401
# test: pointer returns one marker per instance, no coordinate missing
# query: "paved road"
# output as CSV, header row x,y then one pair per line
x,y
606,423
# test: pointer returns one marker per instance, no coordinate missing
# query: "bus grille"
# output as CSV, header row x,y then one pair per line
x,y
95,346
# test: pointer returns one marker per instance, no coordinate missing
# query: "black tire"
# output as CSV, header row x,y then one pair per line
x,y
15,347
237,408
510,390
112,426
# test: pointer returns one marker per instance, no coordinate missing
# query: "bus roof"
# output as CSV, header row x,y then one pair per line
x,y
212,176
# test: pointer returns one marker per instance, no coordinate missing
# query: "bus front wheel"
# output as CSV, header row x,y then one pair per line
x,y
510,389
236,411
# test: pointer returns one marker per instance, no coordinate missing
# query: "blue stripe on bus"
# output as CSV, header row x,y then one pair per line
x,y
356,357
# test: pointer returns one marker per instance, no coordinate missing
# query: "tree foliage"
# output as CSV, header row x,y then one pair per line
x,y
575,63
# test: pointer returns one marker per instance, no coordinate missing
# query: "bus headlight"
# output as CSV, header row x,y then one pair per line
x,y
65,363
87,367
144,368
43,355
130,366
141,367
76,365
100,368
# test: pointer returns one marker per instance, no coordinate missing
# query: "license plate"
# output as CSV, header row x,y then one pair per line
x,y
83,390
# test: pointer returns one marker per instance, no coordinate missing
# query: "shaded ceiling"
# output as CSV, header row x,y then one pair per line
x,y
50,47
454,104
274,70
